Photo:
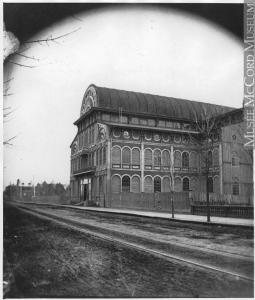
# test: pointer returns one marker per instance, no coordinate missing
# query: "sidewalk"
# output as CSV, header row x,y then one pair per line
x,y
177,217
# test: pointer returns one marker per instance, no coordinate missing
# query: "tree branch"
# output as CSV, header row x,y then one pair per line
x,y
21,65
29,57
51,39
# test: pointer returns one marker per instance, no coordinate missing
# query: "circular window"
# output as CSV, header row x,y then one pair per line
x,y
136,135
215,137
147,136
116,132
156,137
165,137
126,134
177,138
185,139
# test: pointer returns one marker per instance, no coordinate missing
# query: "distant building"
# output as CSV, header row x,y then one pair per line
x,y
135,143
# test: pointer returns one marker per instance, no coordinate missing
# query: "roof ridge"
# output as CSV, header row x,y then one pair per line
x,y
166,97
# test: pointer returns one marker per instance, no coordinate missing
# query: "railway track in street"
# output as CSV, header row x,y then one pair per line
x,y
111,237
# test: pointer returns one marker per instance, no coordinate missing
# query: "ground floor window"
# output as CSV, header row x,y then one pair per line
x,y
235,188
125,184
135,184
148,187
157,184
210,185
116,184
185,184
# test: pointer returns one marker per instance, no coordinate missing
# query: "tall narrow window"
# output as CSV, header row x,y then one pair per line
x,y
235,187
157,159
157,184
193,160
216,184
148,158
235,159
125,184
185,160
135,186
104,155
209,159
166,184
210,185
177,184
92,134
166,159
215,157
148,187
135,158
116,184
185,184
177,159
116,157
126,158
101,156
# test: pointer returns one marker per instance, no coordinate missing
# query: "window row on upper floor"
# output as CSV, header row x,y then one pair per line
x,y
157,159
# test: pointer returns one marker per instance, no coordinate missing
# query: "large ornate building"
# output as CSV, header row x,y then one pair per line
x,y
138,144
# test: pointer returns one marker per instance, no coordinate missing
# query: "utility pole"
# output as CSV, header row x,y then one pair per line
x,y
34,185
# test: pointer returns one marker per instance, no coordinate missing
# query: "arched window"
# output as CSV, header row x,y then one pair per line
x,y
166,159
126,184
157,184
148,188
177,184
135,185
147,158
209,159
185,184
177,159
235,159
116,157
104,155
215,157
193,160
157,159
126,157
101,156
193,184
116,184
166,184
216,184
235,187
185,160
101,184
135,158
210,185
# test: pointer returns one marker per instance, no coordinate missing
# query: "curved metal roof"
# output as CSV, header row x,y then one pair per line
x,y
167,107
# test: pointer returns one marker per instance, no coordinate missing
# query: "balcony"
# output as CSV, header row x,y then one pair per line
x,y
86,170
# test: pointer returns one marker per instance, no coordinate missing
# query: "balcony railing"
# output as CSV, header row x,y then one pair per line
x,y
90,169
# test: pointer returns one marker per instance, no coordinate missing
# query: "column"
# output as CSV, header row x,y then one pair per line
x,y
108,174
221,168
172,165
142,166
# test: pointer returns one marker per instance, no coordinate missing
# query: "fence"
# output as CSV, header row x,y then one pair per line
x,y
199,198
224,211
51,199
149,201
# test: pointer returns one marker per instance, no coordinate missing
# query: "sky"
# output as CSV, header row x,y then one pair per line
x,y
156,50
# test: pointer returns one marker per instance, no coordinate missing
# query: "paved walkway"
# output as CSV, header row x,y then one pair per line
x,y
178,217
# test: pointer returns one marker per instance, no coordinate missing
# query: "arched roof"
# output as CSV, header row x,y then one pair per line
x,y
135,102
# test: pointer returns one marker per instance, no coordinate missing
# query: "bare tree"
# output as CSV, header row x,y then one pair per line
x,y
13,49
207,123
